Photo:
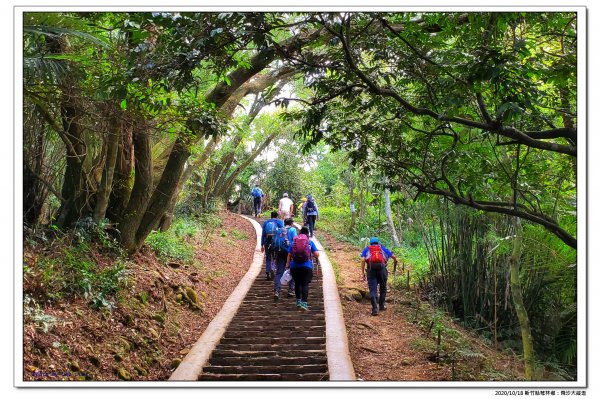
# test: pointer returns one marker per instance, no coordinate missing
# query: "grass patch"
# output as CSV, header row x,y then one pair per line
x,y
170,247
238,235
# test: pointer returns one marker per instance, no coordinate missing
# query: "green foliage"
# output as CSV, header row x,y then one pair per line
x,y
286,175
239,235
185,227
168,246
33,313
87,231
75,272
423,128
177,242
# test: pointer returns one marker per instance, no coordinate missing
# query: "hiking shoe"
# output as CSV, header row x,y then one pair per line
x,y
298,303
382,307
291,293
303,305
276,295
374,312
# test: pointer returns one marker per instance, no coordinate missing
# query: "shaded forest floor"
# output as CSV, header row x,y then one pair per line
x,y
157,317
401,343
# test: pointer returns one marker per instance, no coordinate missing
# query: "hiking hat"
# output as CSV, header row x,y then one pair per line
x,y
303,198
309,197
374,240
285,194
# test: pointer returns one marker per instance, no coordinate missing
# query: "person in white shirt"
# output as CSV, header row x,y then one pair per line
x,y
286,207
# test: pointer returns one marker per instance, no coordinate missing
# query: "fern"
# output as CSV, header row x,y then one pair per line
x,y
565,342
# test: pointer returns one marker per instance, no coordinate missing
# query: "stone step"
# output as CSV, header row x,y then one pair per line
x,y
279,369
266,353
269,309
289,317
264,377
314,340
267,360
278,322
265,347
234,330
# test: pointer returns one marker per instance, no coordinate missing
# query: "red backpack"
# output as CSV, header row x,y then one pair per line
x,y
376,257
301,249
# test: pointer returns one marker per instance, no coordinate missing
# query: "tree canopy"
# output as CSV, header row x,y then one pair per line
x,y
477,107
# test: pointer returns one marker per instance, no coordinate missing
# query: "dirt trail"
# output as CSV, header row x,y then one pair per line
x,y
389,347
380,346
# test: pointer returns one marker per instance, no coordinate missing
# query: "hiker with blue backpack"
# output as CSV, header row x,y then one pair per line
x,y
300,262
310,212
266,242
257,195
284,236
375,256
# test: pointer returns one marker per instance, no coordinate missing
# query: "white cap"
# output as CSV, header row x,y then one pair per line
x,y
285,194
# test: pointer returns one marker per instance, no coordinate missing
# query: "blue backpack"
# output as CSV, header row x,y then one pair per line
x,y
256,192
270,227
280,240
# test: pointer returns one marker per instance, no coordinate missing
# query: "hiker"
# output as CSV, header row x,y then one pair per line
x,y
286,207
257,194
284,237
311,213
376,257
266,242
301,207
300,263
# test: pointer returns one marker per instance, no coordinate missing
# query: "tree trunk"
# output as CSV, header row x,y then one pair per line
x,y
122,177
400,223
140,194
167,218
247,161
73,191
223,166
388,216
108,172
517,295
351,197
35,189
163,193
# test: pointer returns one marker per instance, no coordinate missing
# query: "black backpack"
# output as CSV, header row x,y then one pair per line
x,y
310,206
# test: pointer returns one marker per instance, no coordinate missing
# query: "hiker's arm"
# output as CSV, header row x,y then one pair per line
x,y
362,267
287,262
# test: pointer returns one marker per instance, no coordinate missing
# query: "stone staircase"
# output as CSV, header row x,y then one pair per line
x,y
272,340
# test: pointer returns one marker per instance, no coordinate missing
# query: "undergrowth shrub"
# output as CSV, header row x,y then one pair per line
x,y
73,272
33,313
170,247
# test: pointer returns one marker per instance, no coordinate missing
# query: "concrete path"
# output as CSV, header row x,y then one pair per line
x,y
257,338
